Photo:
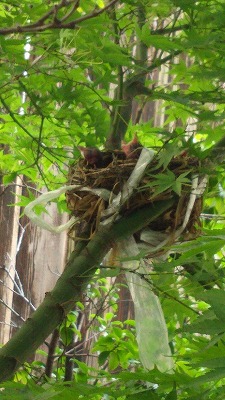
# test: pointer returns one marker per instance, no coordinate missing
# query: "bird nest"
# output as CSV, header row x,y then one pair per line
x,y
88,200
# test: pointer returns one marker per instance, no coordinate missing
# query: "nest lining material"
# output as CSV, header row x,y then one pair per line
x,y
88,204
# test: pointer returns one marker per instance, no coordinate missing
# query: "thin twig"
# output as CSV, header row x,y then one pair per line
x,y
70,12
12,310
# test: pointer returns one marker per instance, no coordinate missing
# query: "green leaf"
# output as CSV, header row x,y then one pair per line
x,y
109,272
158,41
167,180
103,356
214,363
216,298
113,361
144,395
172,395
16,390
67,335
218,374
208,327
9,178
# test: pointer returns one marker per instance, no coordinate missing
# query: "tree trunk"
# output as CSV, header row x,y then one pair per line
x,y
9,231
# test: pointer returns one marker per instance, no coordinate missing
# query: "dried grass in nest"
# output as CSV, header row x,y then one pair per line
x,y
89,206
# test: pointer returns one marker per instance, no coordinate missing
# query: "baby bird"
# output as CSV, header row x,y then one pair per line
x,y
132,149
92,155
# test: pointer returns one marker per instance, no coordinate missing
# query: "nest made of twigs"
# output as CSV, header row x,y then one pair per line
x,y
114,173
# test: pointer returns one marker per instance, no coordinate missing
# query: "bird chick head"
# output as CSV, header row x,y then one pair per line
x,y
132,149
92,155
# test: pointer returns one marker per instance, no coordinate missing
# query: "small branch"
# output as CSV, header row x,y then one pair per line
x,y
139,112
69,362
12,325
51,351
126,91
213,216
52,11
96,13
31,97
6,187
157,63
70,12
164,31
18,288
12,310
134,86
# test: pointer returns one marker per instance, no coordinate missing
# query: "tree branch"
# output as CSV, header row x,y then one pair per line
x,y
128,90
51,351
134,86
69,287
56,23
165,31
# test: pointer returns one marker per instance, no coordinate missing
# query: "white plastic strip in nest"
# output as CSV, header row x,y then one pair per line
x,y
151,329
132,183
197,189
48,197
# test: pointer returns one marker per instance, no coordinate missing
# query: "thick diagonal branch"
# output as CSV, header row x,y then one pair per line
x,y
68,289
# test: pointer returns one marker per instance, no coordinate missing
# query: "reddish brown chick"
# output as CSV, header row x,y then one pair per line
x,y
92,155
132,149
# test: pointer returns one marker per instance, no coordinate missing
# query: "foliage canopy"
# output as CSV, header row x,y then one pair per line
x,y
91,73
